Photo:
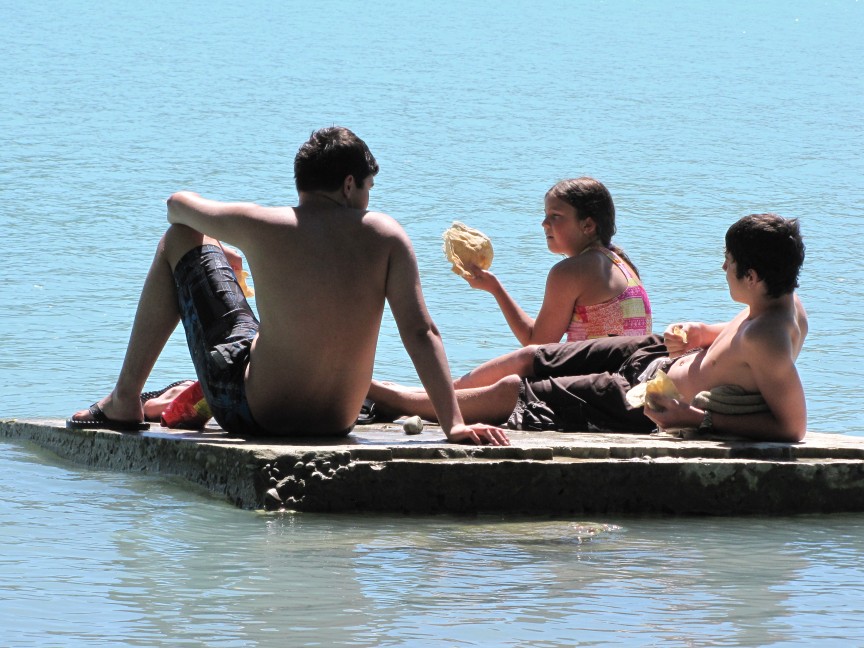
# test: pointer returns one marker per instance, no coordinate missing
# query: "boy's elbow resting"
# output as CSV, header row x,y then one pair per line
x,y
795,426
421,340
790,432
796,435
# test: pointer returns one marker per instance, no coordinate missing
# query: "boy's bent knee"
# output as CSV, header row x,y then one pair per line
x,y
183,234
179,239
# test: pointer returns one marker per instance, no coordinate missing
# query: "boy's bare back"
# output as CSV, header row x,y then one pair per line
x,y
321,272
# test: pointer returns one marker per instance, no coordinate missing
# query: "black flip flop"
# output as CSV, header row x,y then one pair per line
x,y
367,413
146,396
98,421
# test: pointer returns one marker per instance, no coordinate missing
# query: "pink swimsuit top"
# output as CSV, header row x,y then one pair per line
x,y
627,314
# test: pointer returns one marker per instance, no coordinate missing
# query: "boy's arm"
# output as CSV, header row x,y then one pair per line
x,y
770,358
221,220
682,336
423,343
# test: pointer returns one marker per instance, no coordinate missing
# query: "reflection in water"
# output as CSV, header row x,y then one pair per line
x,y
107,558
649,580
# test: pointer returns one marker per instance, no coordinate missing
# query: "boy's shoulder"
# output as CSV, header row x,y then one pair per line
x,y
773,332
384,227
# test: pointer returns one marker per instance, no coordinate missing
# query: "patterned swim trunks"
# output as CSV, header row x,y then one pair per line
x,y
220,327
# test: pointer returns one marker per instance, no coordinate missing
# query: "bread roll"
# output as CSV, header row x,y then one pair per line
x,y
465,246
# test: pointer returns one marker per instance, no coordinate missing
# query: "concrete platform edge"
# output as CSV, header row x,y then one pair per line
x,y
377,469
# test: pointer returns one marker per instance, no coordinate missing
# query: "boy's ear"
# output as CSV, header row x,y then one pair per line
x,y
752,277
348,185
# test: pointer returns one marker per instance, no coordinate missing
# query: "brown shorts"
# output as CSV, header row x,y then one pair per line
x,y
582,386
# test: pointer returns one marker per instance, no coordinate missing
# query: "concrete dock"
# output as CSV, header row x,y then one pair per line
x,y
380,468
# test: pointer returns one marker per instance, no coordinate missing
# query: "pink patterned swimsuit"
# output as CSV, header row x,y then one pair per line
x,y
627,314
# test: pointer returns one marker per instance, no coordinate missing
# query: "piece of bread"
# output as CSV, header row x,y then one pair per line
x,y
465,246
643,393
247,291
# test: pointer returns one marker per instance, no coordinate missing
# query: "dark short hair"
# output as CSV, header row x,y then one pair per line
x,y
329,156
771,246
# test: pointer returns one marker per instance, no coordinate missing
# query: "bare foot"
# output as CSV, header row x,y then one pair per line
x,y
154,407
390,399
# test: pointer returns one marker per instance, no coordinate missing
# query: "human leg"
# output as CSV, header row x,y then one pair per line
x,y
220,329
155,402
155,319
518,363
579,404
487,404
596,356
561,359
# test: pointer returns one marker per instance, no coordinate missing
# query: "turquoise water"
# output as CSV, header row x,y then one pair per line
x,y
693,114
108,559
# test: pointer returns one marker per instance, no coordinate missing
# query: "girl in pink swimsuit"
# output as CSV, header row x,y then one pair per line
x,y
595,291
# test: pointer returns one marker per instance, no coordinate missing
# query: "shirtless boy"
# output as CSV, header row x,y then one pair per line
x,y
582,385
322,270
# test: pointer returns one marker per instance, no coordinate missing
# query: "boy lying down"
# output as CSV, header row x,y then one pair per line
x,y
736,378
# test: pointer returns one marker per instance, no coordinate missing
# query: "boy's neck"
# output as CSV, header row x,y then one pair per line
x,y
762,304
310,198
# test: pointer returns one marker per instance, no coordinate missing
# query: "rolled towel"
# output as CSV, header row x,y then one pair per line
x,y
730,399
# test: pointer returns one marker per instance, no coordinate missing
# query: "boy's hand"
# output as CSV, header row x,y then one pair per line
x,y
681,336
234,258
670,413
478,434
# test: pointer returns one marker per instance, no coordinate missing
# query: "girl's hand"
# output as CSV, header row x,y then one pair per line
x,y
481,279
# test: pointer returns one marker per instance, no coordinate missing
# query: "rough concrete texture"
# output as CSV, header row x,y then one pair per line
x,y
379,468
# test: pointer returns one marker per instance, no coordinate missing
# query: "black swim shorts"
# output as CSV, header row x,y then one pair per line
x,y
220,327
582,386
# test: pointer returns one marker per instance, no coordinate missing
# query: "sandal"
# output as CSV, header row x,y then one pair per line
x,y
98,421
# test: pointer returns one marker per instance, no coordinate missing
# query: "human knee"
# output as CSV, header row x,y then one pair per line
x,y
511,383
182,235
524,361
179,239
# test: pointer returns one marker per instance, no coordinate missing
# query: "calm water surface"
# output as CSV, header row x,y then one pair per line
x,y
93,558
693,114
